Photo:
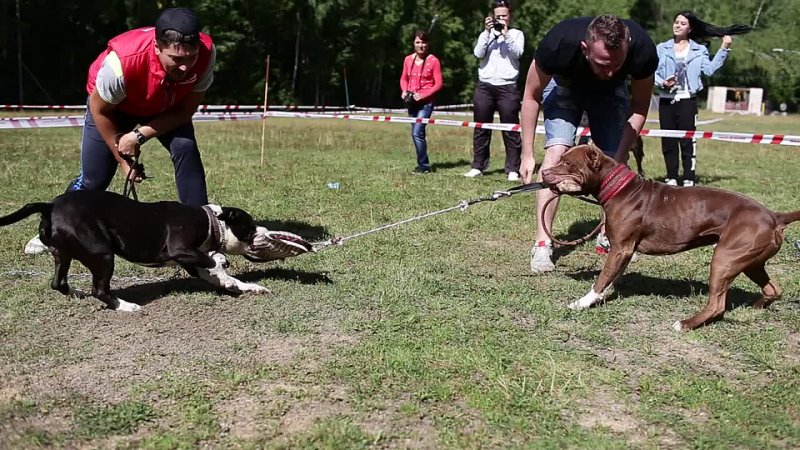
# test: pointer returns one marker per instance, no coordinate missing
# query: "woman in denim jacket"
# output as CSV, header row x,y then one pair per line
x,y
681,62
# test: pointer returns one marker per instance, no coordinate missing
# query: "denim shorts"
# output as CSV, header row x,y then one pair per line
x,y
607,112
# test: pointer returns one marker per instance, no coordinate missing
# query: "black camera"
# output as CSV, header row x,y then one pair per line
x,y
498,26
408,98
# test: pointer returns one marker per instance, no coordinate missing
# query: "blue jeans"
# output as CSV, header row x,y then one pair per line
x,y
607,112
98,165
418,133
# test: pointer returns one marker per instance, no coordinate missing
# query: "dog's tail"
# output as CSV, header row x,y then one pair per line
x,y
787,218
25,211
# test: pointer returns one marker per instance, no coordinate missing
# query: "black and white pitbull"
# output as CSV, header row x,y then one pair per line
x,y
93,226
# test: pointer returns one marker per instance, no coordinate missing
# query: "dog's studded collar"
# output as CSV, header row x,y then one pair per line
x,y
216,232
614,182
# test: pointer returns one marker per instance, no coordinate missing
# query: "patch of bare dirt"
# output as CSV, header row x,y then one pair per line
x,y
303,415
115,351
604,410
659,347
239,416
50,423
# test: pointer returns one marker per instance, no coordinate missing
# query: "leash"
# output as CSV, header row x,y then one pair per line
x,y
559,242
129,187
462,205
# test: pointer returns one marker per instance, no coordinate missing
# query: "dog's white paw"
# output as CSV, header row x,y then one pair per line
x,y
576,305
252,288
677,326
586,301
124,306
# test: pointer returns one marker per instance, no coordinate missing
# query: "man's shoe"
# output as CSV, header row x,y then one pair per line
x,y
35,247
603,246
542,257
473,173
513,176
688,183
671,181
421,171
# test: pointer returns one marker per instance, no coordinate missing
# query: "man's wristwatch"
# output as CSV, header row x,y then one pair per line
x,y
140,138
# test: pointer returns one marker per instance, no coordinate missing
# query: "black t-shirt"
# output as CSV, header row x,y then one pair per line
x,y
560,55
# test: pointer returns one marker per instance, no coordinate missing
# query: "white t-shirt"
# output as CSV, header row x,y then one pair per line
x,y
499,56
110,82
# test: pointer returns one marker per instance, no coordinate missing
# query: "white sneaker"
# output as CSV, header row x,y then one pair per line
x,y
473,173
513,176
688,183
542,257
35,246
671,181
602,246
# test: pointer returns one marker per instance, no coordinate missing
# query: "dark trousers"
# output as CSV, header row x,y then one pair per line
x,y
680,115
98,165
507,101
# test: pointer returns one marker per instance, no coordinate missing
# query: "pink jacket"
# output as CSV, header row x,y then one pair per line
x,y
425,79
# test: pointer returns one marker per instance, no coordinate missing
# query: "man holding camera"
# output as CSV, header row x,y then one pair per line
x,y
499,48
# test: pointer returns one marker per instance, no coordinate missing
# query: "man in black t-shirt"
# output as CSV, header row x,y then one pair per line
x,y
583,64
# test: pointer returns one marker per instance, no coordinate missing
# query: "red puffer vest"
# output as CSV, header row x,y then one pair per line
x,y
148,91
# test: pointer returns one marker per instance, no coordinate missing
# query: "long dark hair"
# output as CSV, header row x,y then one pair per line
x,y
704,30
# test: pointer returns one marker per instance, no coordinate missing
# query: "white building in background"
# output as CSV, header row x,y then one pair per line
x,y
741,100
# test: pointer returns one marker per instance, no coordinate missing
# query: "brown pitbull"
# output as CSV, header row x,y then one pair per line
x,y
656,219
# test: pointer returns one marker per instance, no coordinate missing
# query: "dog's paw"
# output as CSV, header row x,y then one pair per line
x,y
678,326
577,305
124,306
253,288
587,300
76,293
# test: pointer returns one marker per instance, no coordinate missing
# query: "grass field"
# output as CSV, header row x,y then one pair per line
x,y
431,335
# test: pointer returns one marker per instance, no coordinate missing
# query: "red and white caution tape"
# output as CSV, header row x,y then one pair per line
x,y
750,138
41,122
56,107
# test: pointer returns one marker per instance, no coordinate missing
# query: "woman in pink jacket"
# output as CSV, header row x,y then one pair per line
x,y
420,81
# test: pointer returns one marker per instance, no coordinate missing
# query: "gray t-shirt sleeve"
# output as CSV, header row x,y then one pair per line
x,y
207,77
110,83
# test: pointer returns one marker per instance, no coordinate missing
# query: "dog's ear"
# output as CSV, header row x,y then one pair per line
x,y
234,216
593,157
240,223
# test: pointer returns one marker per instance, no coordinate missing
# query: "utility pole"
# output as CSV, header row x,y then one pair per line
x,y
758,13
19,54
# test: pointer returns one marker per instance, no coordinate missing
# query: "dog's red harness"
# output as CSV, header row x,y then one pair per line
x,y
614,182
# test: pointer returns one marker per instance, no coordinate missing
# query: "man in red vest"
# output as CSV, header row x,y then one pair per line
x,y
146,84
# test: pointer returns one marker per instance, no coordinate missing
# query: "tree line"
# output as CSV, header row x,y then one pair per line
x,y
317,47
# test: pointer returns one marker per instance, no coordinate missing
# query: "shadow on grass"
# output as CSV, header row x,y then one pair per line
x,y
145,293
449,164
709,180
632,283
577,230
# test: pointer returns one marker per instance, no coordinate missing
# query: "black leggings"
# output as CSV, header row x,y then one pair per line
x,y
680,115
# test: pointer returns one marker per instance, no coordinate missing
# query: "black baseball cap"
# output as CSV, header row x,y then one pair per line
x,y
182,20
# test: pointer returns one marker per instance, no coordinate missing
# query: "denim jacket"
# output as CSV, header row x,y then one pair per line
x,y
697,62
